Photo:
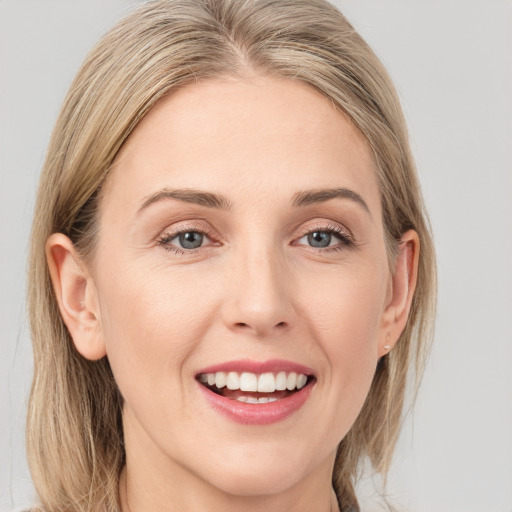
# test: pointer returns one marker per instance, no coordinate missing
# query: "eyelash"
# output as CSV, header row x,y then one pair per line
x,y
168,237
346,239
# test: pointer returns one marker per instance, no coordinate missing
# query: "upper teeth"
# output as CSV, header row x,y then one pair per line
x,y
264,382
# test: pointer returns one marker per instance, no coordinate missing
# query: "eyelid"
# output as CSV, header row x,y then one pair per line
x,y
173,231
201,226
346,240
170,233
325,225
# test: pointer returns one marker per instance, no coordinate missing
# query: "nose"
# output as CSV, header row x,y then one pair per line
x,y
258,299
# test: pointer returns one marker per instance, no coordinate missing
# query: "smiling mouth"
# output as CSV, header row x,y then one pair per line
x,y
254,388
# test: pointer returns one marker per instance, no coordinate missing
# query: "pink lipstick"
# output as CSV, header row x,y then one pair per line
x,y
256,392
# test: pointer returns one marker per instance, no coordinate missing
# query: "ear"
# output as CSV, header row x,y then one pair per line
x,y
400,292
76,296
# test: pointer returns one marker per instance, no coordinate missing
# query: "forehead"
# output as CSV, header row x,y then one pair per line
x,y
232,135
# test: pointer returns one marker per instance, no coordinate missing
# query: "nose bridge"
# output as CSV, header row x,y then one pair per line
x,y
259,298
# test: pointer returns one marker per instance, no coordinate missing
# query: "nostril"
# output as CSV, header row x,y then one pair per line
x,y
259,328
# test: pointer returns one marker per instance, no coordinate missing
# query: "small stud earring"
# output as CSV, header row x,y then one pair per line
x,y
387,346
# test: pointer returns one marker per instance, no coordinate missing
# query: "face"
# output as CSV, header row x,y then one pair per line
x,y
240,243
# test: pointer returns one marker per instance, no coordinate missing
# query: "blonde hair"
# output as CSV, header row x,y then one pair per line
x,y
74,430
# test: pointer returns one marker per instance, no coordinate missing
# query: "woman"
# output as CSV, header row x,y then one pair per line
x,y
231,269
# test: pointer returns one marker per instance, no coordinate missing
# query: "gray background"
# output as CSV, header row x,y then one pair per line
x,y
451,61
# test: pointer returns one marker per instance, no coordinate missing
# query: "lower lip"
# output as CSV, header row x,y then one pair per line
x,y
257,414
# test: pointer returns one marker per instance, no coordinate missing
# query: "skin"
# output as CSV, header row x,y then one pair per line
x,y
256,289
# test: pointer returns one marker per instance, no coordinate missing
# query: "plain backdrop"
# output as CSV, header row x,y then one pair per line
x,y
451,62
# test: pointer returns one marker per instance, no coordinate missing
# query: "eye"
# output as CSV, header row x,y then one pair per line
x,y
190,239
331,238
184,241
319,238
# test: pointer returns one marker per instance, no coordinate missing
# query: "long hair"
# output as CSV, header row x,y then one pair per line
x,y
74,430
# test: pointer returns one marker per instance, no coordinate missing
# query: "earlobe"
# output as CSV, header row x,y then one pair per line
x,y
402,286
76,296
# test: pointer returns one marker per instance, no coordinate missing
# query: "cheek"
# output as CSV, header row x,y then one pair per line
x,y
345,311
345,306
151,322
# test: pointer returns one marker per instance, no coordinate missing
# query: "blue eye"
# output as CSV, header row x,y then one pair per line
x,y
319,239
190,239
183,241
329,238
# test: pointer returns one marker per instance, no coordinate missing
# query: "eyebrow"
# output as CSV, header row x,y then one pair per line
x,y
322,195
188,196
211,200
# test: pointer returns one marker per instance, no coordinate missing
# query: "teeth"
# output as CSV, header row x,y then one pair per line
x,y
266,383
220,379
248,382
301,380
291,381
263,383
253,400
281,381
232,380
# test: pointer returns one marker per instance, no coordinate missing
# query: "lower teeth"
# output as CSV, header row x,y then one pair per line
x,y
254,400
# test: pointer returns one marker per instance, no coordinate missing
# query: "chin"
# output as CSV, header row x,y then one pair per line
x,y
263,471
253,482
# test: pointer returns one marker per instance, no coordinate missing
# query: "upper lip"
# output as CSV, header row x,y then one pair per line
x,y
258,367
